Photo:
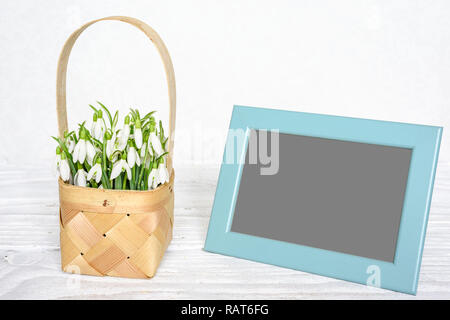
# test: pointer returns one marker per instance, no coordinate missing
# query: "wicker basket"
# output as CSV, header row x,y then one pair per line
x,y
120,233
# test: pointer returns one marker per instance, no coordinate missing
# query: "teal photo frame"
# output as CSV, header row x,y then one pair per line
x,y
400,275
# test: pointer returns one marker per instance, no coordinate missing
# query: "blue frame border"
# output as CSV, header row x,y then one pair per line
x,y
401,275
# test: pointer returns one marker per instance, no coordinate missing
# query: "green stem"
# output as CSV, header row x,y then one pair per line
x,y
68,155
124,185
86,166
136,177
105,181
147,172
118,182
142,169
133,175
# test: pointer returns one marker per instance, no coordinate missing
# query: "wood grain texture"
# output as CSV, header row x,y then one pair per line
x,y
30,259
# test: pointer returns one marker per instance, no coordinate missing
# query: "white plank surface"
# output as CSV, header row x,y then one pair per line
x,y
30,265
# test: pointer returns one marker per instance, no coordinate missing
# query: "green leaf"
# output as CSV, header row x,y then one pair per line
x,y
136,176
107,112
87,165
141,174
164,143
147,172
68,155
118,182
133,114
93,108
124,184
161,131
115,119
105,181
116,152
93,140
162,155
148,115
82,127
133,175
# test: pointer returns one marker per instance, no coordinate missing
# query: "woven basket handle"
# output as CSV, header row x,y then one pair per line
x,y
165,57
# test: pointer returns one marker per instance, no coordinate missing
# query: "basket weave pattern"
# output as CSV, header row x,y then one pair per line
x,y
102,234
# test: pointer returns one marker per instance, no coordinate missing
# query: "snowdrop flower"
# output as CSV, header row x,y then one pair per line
x,y
109,143
163,174
90,152
144,148
143,151
94,124
99,129
153,178
96,171
138,133
70,144
83,149
148,163
80,177
133,157
119,166
79,152
154,142
64,170
124,134
58,159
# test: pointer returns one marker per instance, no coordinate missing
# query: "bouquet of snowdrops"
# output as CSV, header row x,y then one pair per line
x,y
131,158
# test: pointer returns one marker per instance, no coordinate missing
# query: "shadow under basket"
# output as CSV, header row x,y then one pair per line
x,y
121,233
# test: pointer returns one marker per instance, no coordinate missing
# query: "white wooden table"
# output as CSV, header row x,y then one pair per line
x,y
30,259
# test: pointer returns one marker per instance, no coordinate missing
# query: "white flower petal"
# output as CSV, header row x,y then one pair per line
x,y
143,150
64,170
123,136
57,164
156,143
138,138
138,159
82,151
152,183
93,128
98,173
163,174
90,152
70,145
109,147
80,178
116,170
76,152
97,131
127,168
131,157
91,173
57,160
95,172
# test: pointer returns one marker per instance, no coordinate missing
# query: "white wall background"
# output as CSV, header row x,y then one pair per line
x,y
386,60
